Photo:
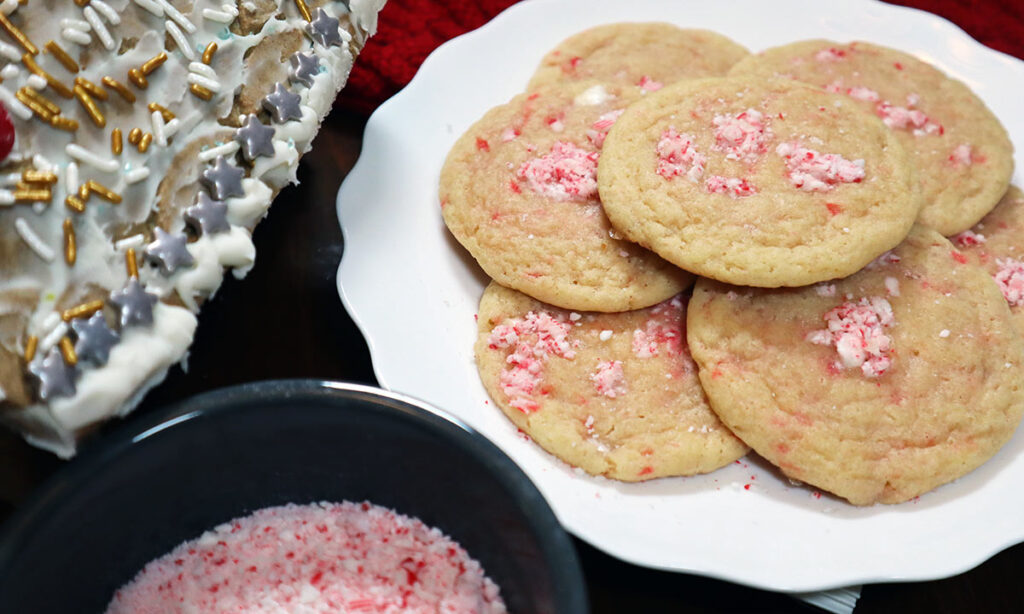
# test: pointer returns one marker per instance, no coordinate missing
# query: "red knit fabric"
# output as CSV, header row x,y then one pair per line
x,y
410,29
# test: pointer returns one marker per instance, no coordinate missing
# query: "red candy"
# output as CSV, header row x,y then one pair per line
x,y
6,133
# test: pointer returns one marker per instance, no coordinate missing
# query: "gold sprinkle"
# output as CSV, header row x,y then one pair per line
x,y
304,10
153,63
119,87
74,203
144,142
90,106
82,311
116,144
51,81
68,350
94,90
31,196
200,91
136,77
64,123
62,56
208,52
130,263
134,136
83,192
102,191
33,176
82,3
41,107
167,113
17,35
70,249
30,347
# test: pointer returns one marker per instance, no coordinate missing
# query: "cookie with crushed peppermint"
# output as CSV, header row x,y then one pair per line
x,y
616,394
149,139
963,154
996,244
646,56
519,191
878,387
757,182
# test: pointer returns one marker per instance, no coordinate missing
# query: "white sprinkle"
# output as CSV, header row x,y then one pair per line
x,y
10,52
6,197
38,207
203,69
210,84
218,16
82,154
179,39
159,136
171,128
41,163
36,82
99,27
944,333
176,15
8,6
228,7
9,72
53,338
31,239
75,24
10,179
132,241
573,316
151,6
108,13
14,105
76,36
71,176
605,335
227,150
249,6
136,175
50,322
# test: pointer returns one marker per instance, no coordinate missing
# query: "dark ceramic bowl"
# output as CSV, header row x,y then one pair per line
x,y
224,454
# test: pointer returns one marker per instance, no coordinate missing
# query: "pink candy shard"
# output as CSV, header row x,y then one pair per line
x,y
857,330
743,136
534,337
830,55
1010,278
316,559
567,172
961,155
817,172
649,85
968,238
907,118
599,129
677,155
664,327
609,379
735,187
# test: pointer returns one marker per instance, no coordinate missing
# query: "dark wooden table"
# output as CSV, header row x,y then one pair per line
x,y
286,320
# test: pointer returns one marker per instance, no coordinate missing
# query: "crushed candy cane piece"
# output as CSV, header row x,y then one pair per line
x,y
1010,278
649,85
664,327
907,118
735,187
567,172
830,55
609,379
677,155
817,172
968,238
599,129
857,330
961,155
535,337
743,136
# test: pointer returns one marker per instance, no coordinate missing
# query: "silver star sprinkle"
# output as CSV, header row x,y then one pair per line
x,y
209,216
305,66
223,179
255,139
282,104
324,29
168,251
136,304
56,377
95,339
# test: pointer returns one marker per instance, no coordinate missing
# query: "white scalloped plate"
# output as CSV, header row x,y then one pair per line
x,y
414,293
